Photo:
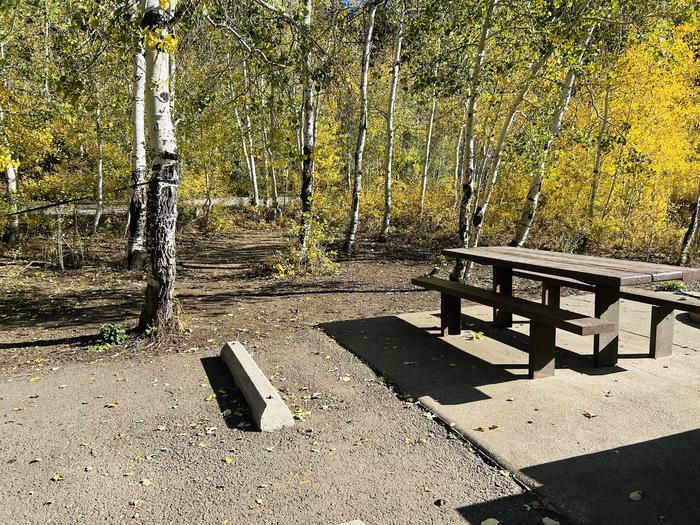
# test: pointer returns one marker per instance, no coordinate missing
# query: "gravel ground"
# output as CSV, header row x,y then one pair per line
x,y
142,434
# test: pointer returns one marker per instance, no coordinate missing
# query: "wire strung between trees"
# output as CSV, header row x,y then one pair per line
x,y
71,201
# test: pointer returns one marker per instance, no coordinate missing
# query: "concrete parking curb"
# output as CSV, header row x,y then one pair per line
x,y
269,411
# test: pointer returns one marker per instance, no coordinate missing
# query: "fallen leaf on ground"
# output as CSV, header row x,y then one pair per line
x,y
636,495
146,482
228,459
210,397
344,379
35,460
439,502
56,477
113,404
590,415
34,379
490,521
258,501
17,409
549,521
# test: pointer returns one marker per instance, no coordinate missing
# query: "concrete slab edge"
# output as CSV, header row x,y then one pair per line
x,y
269,411
470,435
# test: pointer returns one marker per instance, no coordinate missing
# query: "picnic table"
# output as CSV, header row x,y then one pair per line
x,y
609,279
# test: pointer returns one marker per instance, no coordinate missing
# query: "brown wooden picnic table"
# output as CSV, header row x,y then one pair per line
x,y
605,274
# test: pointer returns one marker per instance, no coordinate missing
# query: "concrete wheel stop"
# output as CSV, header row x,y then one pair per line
x,y
270,413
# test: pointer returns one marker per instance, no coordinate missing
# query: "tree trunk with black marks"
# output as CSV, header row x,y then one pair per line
x,y
158,312
599,152
308,136
690,233
390,132
469,161
426,156
136,249
99,198
350,237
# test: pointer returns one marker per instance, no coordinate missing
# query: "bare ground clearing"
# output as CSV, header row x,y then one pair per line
x,y
105,422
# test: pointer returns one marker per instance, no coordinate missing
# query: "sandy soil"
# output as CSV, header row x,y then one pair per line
x,y
102,423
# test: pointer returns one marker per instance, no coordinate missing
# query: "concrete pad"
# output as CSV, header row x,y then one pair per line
x,y
644,434
270,413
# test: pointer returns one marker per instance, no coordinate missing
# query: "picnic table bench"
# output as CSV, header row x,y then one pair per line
x,y
609,279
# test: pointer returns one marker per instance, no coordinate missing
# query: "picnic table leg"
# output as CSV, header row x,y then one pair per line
x,y
503,284
450,314
551,294
542,345
607,308
661,339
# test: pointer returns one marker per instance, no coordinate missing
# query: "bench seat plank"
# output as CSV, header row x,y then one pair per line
x,y
563,319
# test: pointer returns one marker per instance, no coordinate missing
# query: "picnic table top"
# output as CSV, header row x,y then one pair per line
x,y
586,268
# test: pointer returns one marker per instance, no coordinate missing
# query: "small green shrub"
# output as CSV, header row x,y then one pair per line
x,y
671,286
112,334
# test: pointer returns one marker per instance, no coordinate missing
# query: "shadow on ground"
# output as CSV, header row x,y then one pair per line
x,y
402,344
591,488
233,407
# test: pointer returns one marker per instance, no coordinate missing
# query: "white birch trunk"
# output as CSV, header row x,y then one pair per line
x,y
307,136
599,154
390,131
99,198
533,196
158,310
249,138
136,249
362,134
426,156
690,233
494,165
468,164
458,163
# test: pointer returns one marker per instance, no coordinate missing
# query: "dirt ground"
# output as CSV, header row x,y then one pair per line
x,y
139,433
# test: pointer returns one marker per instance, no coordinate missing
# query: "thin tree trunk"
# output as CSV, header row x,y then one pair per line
x,y
458,164
249,138
99,199
47,91
468,163
270,167
362,134
494,165
389,159
308,137
533,196
158,308
598,161
426,156
136,249
59,238
690,233
10,235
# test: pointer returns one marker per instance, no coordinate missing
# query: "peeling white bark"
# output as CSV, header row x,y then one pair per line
x,y
390,131
136,249
99,198
158,310
426,155
362,134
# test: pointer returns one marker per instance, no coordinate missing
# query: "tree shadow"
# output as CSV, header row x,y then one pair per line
x,y
232,405
595,488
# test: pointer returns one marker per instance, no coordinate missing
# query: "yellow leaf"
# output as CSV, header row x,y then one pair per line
x,y
636,495
490,521
113,404
56,477
590,415
228,459
34,379
210,397
146,482
549,521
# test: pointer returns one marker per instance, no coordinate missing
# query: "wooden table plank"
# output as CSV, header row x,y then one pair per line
x,y
662,271
628,276
575,271
593,269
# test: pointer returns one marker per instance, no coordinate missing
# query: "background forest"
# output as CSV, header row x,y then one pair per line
x,y
566,125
